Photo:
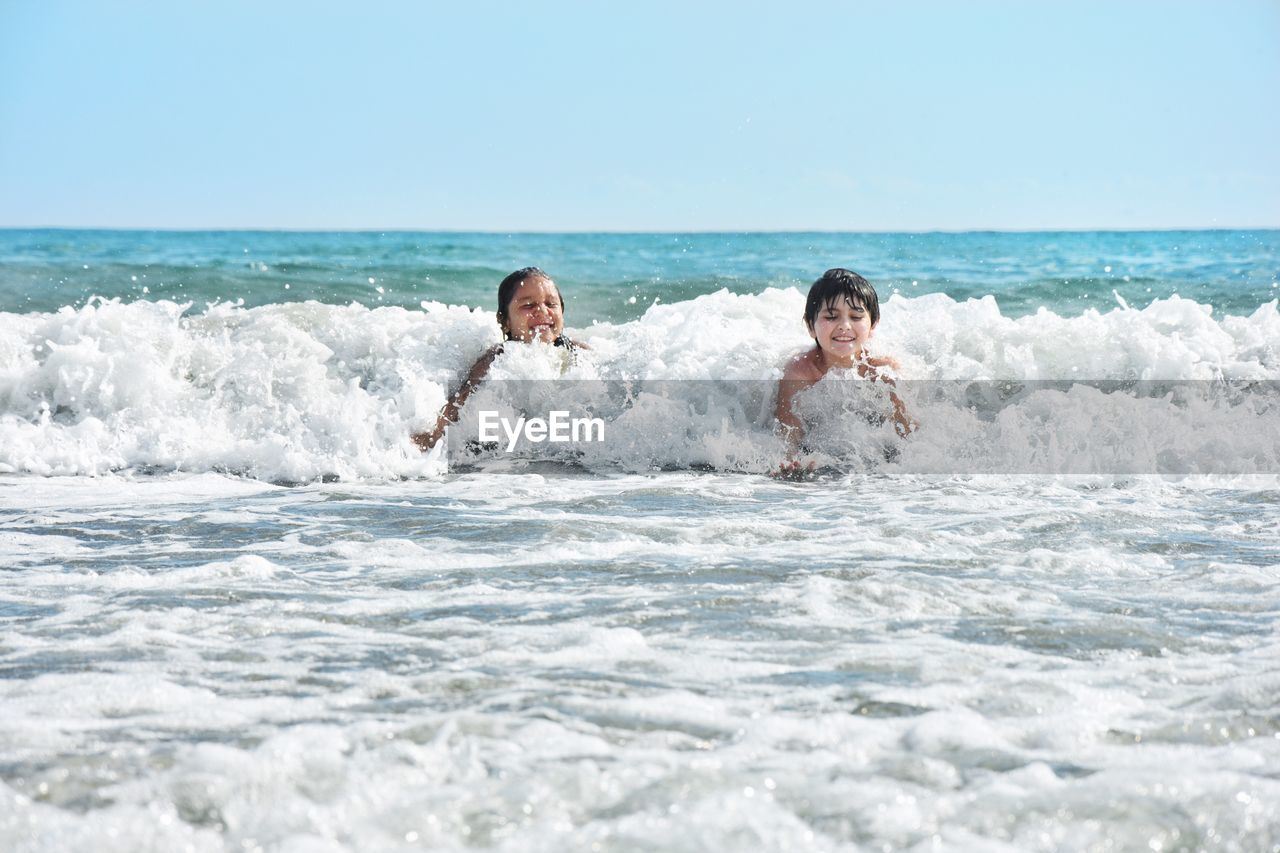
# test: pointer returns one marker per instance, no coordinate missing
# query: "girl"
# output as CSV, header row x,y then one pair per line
x,y
530,308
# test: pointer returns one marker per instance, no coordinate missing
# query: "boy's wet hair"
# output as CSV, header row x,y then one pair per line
x,y
837,284
507,291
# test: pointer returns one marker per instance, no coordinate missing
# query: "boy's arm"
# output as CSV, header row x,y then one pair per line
x,y
799,375
449,414
903,423
789,426
791,430
794,380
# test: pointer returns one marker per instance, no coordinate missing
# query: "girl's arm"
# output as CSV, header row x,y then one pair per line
x,y
449,414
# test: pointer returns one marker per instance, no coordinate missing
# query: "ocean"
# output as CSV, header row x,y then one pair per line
x,y
241,611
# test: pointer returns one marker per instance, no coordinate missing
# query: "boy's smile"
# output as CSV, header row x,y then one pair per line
x,y
841,330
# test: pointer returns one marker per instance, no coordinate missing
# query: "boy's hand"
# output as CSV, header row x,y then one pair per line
x,y
794,470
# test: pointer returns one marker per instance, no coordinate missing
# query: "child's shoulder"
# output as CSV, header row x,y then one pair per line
x,y
803,367
884,368
885,361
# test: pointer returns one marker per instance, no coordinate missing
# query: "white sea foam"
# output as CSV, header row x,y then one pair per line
x,y
297,391
672,661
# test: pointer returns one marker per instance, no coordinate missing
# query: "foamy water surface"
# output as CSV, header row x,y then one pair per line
x,y
678,661
300,391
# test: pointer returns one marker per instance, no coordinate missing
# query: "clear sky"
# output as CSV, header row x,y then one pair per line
x,y
595,116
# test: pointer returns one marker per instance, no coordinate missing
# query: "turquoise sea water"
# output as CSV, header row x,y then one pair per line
x,y
1066,272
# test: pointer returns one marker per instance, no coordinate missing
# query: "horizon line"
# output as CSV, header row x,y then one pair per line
x,y
634,232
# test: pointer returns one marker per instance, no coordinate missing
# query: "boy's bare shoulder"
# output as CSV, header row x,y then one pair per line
x,y
883,368
803,368
885,361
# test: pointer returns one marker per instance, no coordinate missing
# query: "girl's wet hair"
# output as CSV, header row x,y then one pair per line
x,y
837,284
507,291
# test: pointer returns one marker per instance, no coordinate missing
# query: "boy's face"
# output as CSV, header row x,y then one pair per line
x,y
842,328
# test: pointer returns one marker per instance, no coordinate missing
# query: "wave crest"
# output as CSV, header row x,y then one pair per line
x,y
297,391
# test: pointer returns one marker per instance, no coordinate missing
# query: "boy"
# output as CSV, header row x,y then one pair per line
x,y
841,313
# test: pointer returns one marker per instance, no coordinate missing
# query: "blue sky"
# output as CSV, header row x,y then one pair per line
x,y
655,116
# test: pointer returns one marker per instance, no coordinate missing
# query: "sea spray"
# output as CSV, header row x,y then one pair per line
x,y
297,391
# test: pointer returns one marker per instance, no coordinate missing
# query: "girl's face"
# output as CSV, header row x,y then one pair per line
x,y
535,312
841,329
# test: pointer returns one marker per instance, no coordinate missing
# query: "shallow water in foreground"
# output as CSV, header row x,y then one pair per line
x,y
545,660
